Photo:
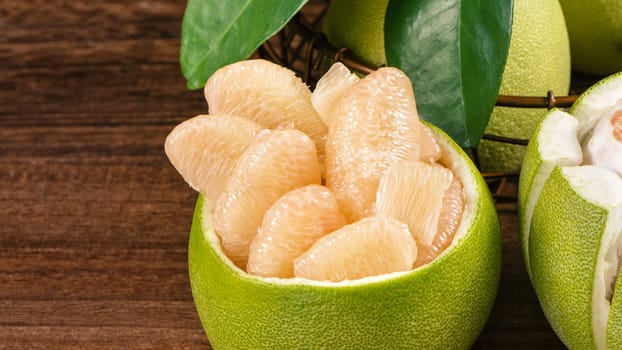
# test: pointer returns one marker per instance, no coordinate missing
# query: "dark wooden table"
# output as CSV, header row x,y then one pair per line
x,y
94,221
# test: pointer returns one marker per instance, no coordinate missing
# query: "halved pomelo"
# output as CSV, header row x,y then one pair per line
x,y
571,222
444,304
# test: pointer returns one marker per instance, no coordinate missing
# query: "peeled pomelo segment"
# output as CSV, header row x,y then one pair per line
x,y
596,101
290,227
554,143
329,90
576,232
417,194
603,145
278,163
369,247
449,219
375,125
267,93
205,149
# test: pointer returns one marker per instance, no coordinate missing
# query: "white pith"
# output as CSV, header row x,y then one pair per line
x,y
449,158
601,147
603,188
596,101
557,146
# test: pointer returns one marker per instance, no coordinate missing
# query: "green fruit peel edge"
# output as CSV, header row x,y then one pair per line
x,y
444,304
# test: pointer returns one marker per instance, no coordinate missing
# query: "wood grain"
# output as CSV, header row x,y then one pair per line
x,y
94,220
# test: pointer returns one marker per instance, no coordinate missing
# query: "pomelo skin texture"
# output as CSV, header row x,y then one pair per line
x,y
595,31
571,224
538,61
358,25
442,305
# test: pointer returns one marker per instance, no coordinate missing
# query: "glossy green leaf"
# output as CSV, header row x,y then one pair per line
x,y
218,32
454,51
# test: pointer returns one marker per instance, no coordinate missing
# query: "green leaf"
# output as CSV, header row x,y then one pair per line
x,y
454,51
218,32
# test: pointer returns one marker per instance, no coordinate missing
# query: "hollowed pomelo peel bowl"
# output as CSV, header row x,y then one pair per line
x,y
571,225
442,305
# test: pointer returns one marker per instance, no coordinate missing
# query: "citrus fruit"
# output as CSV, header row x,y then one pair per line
x,y
290,227
375,124
595,31
273,218
205,149
426,197
538,61
279,162
368,247
570,211
269,94
359,27
441,305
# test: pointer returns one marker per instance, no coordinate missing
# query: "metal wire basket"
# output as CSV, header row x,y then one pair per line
x,y
302,47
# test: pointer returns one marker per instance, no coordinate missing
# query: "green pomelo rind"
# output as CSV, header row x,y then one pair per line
x,y
595,32
575,237
359,27
444,304
595,101
554,144
563,252
614,323
538,61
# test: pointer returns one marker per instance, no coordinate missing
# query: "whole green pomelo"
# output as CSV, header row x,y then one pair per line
x,y
442,305
538,61
359,27
595,31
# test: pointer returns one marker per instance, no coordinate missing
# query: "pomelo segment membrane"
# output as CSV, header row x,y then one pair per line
x,y
329,90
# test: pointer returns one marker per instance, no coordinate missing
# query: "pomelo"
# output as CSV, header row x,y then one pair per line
x,y
357,281
538,61
595,31
357,26
441,305
570,213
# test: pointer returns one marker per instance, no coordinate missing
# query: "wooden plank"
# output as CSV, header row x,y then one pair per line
x,y
95,338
